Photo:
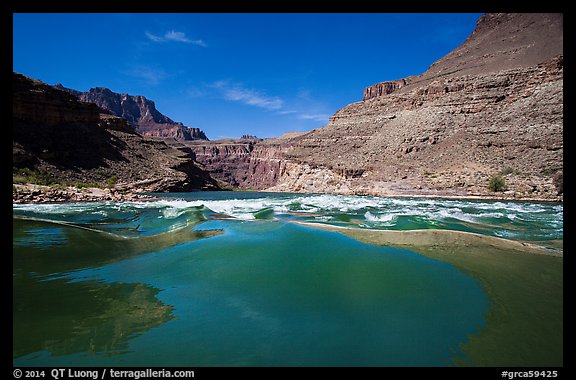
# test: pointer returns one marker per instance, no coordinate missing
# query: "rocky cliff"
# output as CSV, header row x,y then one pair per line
x,y
383,88
492,107
242,163
57,138
139,111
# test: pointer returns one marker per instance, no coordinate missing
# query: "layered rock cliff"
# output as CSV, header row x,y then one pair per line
x,y
383,88
242,163
492,107
69,141
139,111
450,135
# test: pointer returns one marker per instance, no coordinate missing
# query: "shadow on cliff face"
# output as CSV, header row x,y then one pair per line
x,y
77,142
69,146
55,127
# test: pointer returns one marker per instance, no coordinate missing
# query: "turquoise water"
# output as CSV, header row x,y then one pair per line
x,y
224,279
527,221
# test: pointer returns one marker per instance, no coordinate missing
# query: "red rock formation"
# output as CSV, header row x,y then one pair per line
x,y
383,88
139,111
240,163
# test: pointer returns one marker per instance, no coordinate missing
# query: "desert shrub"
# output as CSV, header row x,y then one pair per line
x,y
497,183
35,176
86,184
112,181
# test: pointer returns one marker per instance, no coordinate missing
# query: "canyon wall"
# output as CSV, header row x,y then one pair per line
x,y
492,107
139,111
241,163
69,141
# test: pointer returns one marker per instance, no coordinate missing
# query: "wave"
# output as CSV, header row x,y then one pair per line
x,y
522,220
388,218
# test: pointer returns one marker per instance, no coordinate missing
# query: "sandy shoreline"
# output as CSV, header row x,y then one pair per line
x,y
523,281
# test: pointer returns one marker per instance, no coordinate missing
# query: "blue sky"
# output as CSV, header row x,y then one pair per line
x,y
230,74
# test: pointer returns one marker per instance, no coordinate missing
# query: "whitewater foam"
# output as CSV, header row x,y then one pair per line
x,y
371,211
380,218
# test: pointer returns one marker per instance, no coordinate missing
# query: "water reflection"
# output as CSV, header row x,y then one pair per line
x,y
38,249
62,316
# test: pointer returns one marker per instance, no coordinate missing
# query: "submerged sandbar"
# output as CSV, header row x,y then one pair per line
x,y
523,281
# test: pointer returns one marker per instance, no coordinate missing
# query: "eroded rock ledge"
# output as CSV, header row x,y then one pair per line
x,y
445,138
383,88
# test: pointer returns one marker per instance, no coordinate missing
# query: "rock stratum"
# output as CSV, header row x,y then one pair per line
x,y
140,112
60,140
492,107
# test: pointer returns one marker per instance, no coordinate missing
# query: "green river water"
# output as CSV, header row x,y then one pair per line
x,y
227,279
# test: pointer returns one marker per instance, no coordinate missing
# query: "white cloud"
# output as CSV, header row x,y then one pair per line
x,y
253,98
153,37
174,36
238,93
258,98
